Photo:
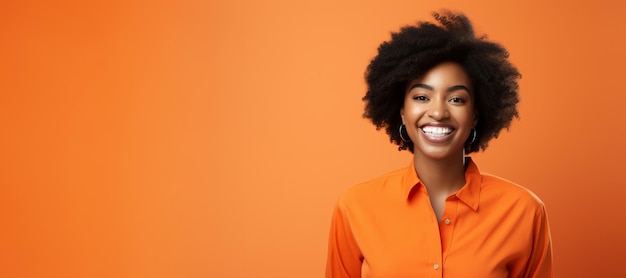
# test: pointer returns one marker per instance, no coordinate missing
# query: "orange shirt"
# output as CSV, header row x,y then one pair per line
x,y
489,228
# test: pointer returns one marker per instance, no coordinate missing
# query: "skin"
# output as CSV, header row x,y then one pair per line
x,y
440,100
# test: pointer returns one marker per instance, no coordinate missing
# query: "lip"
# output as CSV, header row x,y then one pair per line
x,y
437,139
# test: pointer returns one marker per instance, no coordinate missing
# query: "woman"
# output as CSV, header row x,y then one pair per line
x,y
440,92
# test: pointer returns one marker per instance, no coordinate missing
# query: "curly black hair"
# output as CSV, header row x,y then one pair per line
x,y
416,49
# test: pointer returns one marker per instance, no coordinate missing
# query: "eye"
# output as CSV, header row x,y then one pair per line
x,y
457,100
420,98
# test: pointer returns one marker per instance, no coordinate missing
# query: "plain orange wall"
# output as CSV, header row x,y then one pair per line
x,y
211,139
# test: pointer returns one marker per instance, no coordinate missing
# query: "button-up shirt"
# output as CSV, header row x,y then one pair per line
x,y
490,227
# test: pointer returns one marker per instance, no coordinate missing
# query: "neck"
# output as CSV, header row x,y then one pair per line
x,y
444,176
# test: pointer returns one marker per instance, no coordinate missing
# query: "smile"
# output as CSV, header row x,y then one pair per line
x,y
434,131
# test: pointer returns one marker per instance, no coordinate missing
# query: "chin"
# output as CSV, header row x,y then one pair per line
x,y
439,154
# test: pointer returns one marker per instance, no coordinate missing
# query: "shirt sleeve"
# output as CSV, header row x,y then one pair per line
x,y
344,257
540,261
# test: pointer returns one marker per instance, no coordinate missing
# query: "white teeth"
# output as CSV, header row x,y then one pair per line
x,y
437,131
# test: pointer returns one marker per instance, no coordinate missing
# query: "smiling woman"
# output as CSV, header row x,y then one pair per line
x,y
440,92
438,112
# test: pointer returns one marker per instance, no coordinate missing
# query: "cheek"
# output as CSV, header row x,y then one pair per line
x,y
412,111
468,118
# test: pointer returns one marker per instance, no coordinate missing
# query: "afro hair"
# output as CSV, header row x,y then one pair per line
x,y
414,50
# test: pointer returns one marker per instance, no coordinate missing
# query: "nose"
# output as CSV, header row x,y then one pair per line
x,y
438,110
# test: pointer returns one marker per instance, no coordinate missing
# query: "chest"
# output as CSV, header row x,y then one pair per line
x,y
463,243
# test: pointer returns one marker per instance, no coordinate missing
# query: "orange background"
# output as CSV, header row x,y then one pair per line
x,y
211,139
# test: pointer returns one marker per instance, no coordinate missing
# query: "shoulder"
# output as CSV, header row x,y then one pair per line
x,y
373,189
508,191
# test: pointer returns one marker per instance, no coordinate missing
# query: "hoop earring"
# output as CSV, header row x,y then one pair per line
x,y
400,131
473,136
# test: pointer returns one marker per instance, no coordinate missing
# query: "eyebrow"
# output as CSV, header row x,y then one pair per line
x,y
430,88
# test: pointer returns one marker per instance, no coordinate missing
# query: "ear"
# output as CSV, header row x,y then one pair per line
x,y
402,114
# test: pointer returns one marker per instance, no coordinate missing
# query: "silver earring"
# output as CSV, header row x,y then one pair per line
x,y
473,136
400,131
467,145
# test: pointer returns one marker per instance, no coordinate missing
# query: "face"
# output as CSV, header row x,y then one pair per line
x,y
439,113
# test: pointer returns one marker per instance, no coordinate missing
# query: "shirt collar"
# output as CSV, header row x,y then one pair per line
x,y
468,194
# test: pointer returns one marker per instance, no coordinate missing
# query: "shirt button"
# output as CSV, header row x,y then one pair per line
x,y
447,221
436,266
